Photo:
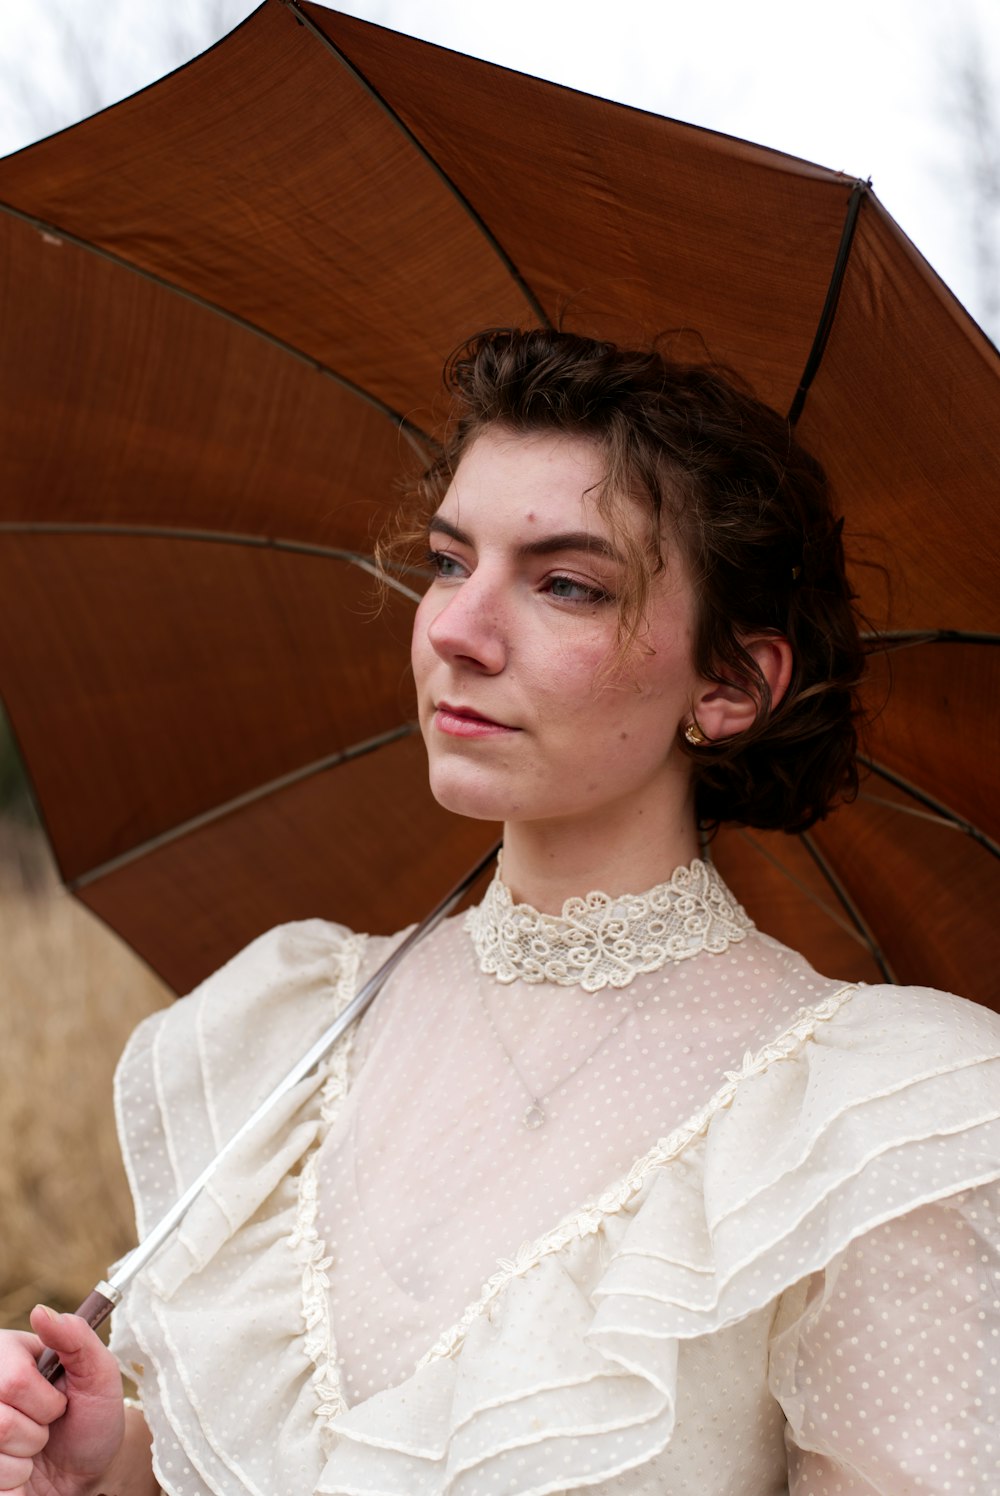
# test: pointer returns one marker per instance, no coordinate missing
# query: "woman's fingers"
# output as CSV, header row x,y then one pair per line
x,y
60,1437
14,1475
21,1388
86,1437
28,1405
21,1436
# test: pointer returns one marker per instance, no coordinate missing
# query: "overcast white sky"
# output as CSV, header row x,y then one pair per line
x,y
866,86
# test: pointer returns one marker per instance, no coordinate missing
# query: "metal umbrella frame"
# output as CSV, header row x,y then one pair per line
x,y
225,306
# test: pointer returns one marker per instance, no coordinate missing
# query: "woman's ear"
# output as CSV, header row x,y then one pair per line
x,y
722,711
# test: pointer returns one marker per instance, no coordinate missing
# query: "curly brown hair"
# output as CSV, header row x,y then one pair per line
x,y
751,512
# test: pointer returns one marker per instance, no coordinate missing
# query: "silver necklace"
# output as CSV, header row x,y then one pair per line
x,y
534,1115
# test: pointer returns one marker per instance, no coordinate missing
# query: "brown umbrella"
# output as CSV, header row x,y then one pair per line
x,y
225,303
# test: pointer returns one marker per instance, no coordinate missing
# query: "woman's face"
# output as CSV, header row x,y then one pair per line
x,y
524,712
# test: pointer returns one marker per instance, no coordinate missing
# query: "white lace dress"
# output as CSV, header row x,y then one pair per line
x,y
628,1200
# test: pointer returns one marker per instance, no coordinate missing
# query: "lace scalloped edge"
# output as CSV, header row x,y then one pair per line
x,y
593,945
319,1343
589,1219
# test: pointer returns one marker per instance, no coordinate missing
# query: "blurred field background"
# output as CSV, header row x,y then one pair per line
x,y
70,994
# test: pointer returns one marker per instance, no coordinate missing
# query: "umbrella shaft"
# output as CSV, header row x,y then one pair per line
x,y
151,1243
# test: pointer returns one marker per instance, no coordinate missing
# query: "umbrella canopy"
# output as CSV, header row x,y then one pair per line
x,y
225,305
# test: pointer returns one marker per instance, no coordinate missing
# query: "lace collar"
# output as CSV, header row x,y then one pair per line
x,y
602,942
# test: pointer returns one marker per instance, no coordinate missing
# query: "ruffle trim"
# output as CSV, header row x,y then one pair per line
x,y
593,1216
565,1372
319,1341
699,1240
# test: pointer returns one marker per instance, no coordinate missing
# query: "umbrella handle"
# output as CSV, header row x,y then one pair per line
x,y
95,1309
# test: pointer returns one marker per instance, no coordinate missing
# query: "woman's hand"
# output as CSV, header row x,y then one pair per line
x,y
57,1440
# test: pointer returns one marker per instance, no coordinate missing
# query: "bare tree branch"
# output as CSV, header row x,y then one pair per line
x,y
978,128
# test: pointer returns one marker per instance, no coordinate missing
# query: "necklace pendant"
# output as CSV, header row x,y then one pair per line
x,y
533,1117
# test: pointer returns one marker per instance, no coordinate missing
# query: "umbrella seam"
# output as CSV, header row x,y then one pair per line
x,y
894,639
859,191
911,810
941,811
828,909
852,910
211,537
239,802
474,215
413,433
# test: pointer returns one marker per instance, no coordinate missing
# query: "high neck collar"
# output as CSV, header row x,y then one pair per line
x,y
600,941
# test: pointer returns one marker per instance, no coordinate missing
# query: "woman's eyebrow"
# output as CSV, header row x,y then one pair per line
x,y
546,545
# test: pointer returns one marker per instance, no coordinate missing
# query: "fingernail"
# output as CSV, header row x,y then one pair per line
x,y
50,1314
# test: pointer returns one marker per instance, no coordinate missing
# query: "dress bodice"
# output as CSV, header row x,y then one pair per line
x,y
516,1068
565,1212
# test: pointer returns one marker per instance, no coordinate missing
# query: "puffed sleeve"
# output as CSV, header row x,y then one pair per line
x,y
211,1328
887,1363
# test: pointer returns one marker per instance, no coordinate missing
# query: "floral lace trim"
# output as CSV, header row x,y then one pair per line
x,y
591,1217
319,1342
599,941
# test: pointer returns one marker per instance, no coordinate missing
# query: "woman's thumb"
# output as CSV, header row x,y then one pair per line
x,y
82,1354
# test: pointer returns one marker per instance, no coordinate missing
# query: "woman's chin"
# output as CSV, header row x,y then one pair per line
x,y
466,794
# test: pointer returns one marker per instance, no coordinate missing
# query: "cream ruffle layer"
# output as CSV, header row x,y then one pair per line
x,y
565,1373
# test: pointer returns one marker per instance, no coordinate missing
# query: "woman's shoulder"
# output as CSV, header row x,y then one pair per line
x,y
201,1064
911,1005
898,1032
902,1023
918,1043
291,951
282,969
878,1099
862,1076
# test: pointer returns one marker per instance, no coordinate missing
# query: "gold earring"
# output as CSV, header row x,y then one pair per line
x,y
694,735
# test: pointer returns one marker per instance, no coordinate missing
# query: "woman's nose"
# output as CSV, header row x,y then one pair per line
x,y
470,626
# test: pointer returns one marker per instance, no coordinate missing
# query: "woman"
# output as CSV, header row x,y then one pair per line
x,y
608,1191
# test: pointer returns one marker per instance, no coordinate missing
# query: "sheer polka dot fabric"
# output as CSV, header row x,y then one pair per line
x,y
433,1171
889,1362
714,1225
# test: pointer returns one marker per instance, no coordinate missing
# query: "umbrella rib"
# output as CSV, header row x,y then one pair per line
x,y
941,812
909,810
240,802
212,537
813,897
850,907
908,638
859,192
474,215
418,438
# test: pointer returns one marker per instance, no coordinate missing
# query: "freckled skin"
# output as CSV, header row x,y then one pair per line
x,y
491,636
580,754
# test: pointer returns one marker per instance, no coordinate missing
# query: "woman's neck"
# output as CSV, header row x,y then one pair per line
x,y
626,849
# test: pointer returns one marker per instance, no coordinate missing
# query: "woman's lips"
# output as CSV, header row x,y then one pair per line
x,y
465,722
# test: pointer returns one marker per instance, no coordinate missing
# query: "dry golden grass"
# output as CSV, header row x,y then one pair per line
x,y
70,994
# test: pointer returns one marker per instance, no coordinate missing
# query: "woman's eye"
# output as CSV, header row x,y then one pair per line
x,y
572,591
444,565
